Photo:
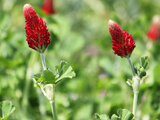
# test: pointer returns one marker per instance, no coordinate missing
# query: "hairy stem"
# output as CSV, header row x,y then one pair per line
x,y
43,61
135,102
131,65
52,102
53,107
135,86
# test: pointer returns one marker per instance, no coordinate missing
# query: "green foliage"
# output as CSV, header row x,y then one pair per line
x,y
123,114
101,117
62,71
156,73
47,77
155,100
142,67
144,62
6,109
79,35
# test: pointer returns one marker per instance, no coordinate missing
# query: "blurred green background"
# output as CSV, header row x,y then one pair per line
x,y
79,35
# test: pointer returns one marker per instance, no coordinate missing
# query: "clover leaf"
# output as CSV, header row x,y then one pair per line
x,y
6,109
123,114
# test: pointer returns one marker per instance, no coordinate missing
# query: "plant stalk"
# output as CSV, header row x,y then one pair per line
x,y
43,61
53,107
135,86
131,65
52,103
135,102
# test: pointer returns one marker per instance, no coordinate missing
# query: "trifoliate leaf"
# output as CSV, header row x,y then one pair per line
x,y
41,79
101,117
144,61
141,68
123,114
6,109
47,77
63,70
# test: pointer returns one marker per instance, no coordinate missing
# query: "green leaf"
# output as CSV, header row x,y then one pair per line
x,y
115,117
101,117
6,109
123,114
142,72
143,65
64,70
144,61
35,79
47,77
41,79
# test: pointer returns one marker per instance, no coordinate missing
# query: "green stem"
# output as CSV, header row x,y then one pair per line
x,y
135,86
51,102
135,102
53,107
43,61
131,65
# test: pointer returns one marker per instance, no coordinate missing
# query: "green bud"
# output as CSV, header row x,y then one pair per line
x,y
142,72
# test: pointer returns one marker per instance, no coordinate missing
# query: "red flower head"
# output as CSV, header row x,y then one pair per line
x,y
122,43
48,7
37,34
154,31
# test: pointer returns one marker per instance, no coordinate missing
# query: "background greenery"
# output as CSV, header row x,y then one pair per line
x,y
80,36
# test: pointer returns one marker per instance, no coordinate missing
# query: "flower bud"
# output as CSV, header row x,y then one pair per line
x,y
154,31
37,33
48,7
122,43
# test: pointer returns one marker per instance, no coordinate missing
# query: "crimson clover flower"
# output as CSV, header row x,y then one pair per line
x,y
122,43
154,31
48,7
37,33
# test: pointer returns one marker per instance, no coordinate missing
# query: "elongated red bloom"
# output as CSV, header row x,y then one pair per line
x,y
48,7
37,33
122,43
154,31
